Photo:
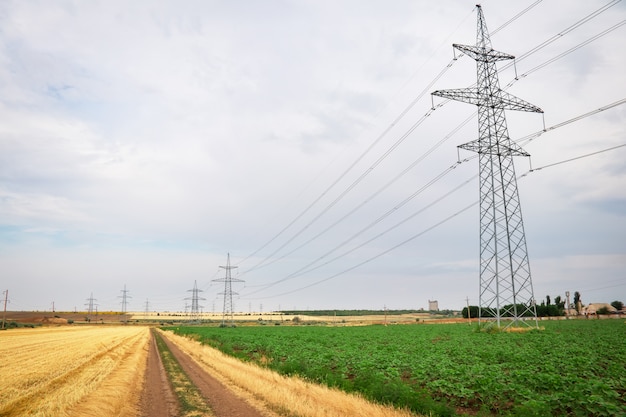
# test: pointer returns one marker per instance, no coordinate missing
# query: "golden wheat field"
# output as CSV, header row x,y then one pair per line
x,y
72,371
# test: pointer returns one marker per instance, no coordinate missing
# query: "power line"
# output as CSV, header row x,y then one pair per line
x,y
569,51
517,16
373,195
301,272
342,176
368,260
297,273
349,188
264,262
308,268
577,158
358,180
401,243
370,147
528,138
565,31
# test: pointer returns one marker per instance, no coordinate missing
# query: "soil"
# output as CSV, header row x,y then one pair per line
x,y
223,402
157,398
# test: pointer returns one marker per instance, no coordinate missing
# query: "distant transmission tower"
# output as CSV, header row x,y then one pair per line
x,y
90,305
228,293
506,289
147,308
195,306
124,298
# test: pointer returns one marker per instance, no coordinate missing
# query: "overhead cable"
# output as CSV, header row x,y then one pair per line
x,y
376,141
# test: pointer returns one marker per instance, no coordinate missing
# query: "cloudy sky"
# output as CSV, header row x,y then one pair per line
x,y
143,141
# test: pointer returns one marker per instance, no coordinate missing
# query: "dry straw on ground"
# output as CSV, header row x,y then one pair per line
x,y
56,371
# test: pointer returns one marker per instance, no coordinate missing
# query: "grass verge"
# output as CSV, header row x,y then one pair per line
x,y
191,402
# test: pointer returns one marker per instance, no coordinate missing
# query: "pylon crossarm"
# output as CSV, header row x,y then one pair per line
x,y
483,147
511,102
466,95
481,54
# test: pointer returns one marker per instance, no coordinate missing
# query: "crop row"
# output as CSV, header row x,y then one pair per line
x,y
572,368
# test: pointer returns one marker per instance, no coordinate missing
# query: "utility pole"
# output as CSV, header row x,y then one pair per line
x,y
195,307
4,316
124,298
53,306
228,293
505,282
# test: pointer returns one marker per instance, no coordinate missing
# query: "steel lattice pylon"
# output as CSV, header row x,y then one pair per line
x,y
506,289
195,305
228,293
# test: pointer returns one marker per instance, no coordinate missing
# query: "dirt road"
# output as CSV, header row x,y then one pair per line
x,y
158,399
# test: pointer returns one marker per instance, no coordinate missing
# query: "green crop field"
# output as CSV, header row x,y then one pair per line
x,y
572,368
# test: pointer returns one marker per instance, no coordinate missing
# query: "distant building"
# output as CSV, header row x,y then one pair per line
x,y
592,308
433,305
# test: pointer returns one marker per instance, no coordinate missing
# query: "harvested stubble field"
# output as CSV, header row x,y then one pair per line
x,y
67,371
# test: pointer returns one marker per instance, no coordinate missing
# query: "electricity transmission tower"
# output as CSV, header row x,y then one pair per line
x,y
90,305
506,289
4,317
228,293
195,307
124,298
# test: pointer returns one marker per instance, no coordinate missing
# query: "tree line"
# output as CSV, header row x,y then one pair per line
x,y
546,308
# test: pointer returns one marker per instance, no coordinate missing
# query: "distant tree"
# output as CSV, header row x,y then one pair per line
x,y
473,312
603,310
549,311
577,301
559,303
618,305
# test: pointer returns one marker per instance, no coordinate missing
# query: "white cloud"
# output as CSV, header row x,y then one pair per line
x,y
135,135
